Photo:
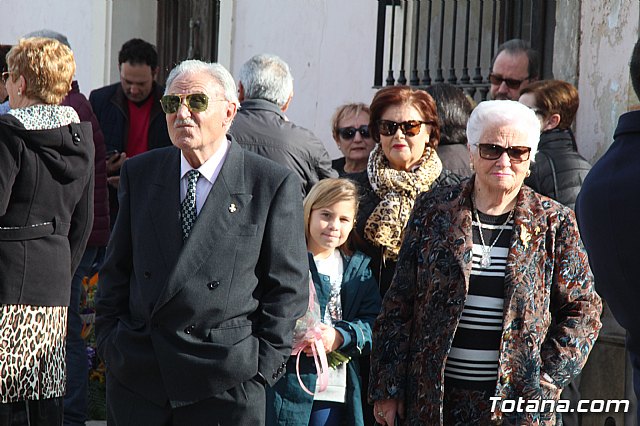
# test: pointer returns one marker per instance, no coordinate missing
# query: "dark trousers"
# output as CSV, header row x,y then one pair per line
x,y
243,405
44,412
75,400
367,409
572,393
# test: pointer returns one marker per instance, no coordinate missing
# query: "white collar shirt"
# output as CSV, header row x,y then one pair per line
x,y
209,172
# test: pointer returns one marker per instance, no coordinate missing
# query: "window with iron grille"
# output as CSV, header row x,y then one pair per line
x,y
423,42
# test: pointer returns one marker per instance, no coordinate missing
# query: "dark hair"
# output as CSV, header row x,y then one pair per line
x,y
555,97
138,52
454,109
516,46
404,95
634,68
4,49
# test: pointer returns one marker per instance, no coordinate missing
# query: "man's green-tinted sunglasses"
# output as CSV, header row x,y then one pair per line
x,y
196,102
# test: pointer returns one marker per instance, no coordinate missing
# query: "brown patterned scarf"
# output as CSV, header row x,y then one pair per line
x,y
397,190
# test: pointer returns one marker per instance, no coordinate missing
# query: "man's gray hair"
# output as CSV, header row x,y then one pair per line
x,y
267,77
215,70
503,113
49,34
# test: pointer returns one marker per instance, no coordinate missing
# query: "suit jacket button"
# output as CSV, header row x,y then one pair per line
x,y
213,285
147,274
284,365
189,329
275,376
76,138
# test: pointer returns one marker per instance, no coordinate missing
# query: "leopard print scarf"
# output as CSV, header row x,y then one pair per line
x,y
397,190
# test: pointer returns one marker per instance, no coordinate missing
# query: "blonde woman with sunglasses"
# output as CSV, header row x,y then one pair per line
x,y
493,298
350,130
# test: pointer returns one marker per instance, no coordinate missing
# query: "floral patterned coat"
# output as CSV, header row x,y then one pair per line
x,y
551,310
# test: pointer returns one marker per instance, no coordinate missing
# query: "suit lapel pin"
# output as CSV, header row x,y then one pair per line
x,y
232,208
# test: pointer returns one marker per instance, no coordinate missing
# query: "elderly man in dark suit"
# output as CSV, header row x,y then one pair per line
x,y
200,292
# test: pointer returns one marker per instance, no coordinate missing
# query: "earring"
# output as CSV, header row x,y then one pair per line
x,y
528,172
19,92
471,166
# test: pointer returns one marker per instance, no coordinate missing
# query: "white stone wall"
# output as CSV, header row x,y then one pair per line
x,y
80,20
95,29
329,45
609,30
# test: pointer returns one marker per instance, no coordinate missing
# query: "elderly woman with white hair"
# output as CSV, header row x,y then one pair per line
x,y
492,299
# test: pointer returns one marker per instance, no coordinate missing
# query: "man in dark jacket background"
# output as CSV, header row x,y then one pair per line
x,y
75,400
129,111
265,90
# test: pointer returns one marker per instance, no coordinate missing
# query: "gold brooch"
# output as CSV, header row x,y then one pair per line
x,y
525,236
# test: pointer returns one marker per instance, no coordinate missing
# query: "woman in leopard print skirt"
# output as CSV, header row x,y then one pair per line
x,y
46,181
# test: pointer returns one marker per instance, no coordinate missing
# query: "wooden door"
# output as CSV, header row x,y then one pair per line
x,y
187,29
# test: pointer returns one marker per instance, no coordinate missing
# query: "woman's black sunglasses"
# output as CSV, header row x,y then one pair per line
x,y
348,133
516,154
408,128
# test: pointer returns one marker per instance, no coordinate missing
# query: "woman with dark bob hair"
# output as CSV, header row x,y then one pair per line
x,y
403,163
493,298
46,213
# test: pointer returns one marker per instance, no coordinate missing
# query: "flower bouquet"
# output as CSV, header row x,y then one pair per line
x,y
307,333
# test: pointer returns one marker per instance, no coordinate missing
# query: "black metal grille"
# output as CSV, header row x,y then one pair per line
x,y
453,41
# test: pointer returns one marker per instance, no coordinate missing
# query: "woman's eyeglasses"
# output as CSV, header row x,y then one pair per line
x,y
348,133
516,154
5,77
408,128
196,102
497,80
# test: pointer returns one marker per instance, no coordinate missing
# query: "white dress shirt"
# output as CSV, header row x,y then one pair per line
x,y
209,172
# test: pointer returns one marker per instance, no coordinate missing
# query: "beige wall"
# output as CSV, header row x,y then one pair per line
x,y
609,30
329,45
129,19
83,22
95,29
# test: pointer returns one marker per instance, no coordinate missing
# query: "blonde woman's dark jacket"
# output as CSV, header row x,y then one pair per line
x,y
551,311
46,210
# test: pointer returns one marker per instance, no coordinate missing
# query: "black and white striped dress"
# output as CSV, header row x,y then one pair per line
x,y
473,360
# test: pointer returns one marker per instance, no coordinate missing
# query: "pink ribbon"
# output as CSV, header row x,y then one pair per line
x,y
313,338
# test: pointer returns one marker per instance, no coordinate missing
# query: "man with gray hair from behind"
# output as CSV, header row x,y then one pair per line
x,y
265,90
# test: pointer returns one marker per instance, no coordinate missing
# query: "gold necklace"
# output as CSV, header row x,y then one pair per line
x,y
485,259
